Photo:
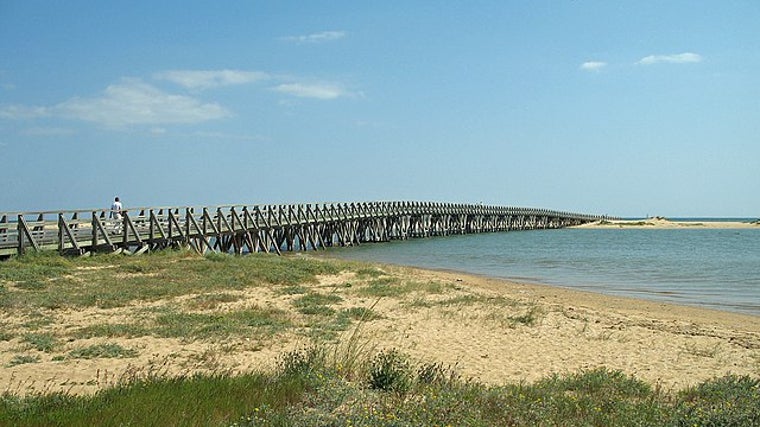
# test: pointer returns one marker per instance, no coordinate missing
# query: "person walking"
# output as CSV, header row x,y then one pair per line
x,y
115,214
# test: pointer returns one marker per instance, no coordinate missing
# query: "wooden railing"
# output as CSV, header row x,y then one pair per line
x,y
268,228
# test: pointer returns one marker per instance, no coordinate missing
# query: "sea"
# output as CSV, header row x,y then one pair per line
x,y
710,268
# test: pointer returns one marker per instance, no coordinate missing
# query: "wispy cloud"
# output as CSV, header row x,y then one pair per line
x,y
22,112
322,37
313,90
135,102
129,102
206,79
230,136
679,58
48,131
593,65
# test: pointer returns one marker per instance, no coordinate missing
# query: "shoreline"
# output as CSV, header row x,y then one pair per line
x,y
594,298
669,345
608,292
664,223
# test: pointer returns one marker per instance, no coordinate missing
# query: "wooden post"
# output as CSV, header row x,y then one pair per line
x,y
23,230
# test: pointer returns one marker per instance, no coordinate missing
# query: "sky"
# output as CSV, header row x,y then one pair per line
x,y
624,108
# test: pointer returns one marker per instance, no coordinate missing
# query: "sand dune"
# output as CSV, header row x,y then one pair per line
x,y
494,331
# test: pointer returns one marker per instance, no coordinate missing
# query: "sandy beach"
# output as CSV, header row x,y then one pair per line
x,y
661,222
494,331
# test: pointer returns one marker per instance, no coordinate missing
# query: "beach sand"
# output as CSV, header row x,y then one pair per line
x,y
661,222
491,330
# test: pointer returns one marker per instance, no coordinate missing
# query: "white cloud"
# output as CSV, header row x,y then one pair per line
x,y
21,112
318,90
593,65
680,58
130,102
324,36
134,102
206,79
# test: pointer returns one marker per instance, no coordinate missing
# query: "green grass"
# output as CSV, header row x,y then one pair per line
x,y
107,350
53,282
393,287
211,301
316,304
40,341
349,383
254,322
22,359
387,389
35,269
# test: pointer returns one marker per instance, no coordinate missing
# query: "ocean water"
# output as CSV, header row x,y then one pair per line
x,y
714,268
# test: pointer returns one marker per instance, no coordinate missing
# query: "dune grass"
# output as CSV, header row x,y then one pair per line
x,y
387,389
328,383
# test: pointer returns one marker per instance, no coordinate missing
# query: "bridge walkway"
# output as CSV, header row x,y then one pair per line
x,y
262,228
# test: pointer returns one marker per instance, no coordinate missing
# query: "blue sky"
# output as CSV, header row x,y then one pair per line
x,y
609,107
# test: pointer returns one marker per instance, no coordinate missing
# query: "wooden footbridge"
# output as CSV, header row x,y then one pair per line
x,y
267,228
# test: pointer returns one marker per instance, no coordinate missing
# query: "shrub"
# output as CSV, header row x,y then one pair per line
x,y
301,362
727,401
390,371
436,374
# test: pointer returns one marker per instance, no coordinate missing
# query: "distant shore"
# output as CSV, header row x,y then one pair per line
x,y
661,222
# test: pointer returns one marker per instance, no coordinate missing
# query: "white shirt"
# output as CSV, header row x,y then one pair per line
x,y
116,210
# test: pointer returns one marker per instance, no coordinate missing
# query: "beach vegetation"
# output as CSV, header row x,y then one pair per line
x,y
369,272
394,287
188,326
21,359
361,314
329,381
111,330
308,388
105,350
44,342
635,224
316,304
530,317
208,301
390,370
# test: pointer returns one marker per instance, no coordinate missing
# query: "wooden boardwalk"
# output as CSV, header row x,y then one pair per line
x,y
262,228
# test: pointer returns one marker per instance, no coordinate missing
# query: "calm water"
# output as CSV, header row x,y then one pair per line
x,y
711,268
